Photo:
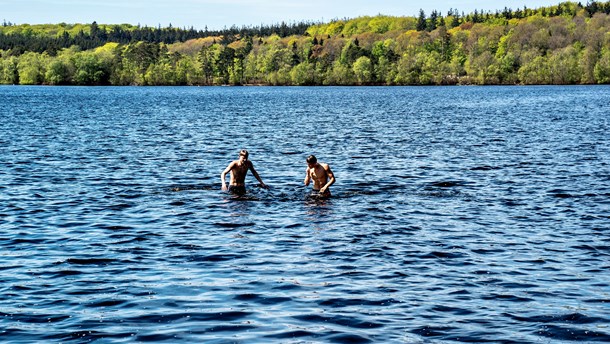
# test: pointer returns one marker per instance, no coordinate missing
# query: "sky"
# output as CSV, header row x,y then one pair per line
x,y
218,14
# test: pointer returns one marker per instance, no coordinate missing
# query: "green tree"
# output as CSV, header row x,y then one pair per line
x,y
206,61
160,73
351,52
564,66
275,58
482,69
507,67
408,70
132,62
224,64
303,74
602,68
456,65
251,74
142,55
236,76
385,70
188,71
31,68
421,21
432,68
340,74
380,57
588,62
127,72
535,72
91,69
58,73
8,70
363,69
380,24
431,23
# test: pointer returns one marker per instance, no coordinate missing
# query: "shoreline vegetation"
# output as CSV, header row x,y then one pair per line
x,y
565,44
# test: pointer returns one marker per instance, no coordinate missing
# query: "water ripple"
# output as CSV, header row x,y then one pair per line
x,y
478,218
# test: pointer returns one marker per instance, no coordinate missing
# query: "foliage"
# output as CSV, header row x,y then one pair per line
x,y
52,38
564,44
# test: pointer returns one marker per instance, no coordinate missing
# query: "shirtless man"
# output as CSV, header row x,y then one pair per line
x,y
321,174
239,169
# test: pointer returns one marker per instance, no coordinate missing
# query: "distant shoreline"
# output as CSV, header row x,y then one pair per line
x,y
565,44
307,86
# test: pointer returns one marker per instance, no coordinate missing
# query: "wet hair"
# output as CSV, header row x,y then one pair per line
x,y
311,159
243,152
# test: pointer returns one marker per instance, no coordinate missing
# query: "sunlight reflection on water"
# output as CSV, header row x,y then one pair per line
x,y
459,214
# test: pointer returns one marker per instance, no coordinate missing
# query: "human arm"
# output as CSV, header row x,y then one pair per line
x,y
307,177
331,178
223,176
255,174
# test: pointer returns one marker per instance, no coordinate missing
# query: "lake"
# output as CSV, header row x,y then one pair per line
x,y
460,214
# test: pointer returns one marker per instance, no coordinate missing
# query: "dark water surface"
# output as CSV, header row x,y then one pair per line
x,y
460,214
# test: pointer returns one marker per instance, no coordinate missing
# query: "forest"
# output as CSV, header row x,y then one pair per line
x,y
568,43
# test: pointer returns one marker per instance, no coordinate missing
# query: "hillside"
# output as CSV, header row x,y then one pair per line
x,y
564,44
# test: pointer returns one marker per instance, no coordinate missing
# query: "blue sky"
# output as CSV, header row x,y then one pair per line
x,y
216,14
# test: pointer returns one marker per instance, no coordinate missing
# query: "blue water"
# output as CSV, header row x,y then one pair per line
x,y
460,214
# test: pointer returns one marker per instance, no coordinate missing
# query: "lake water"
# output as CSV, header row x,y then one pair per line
x,y
460,214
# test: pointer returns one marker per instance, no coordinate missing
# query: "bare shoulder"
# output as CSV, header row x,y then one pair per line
x,y
329,172
325,166
229,167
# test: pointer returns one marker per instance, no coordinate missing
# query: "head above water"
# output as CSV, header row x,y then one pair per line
x,y
312,159
244,153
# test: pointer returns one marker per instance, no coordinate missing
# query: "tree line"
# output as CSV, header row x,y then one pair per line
x,y
564,44
18,39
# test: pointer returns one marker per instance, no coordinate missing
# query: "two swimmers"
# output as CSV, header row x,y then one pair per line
x,y
320,173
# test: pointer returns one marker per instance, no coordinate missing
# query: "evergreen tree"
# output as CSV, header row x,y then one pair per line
x,y
431,22
421,21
